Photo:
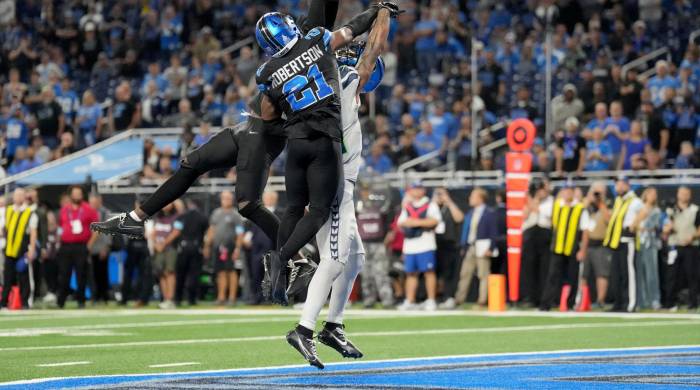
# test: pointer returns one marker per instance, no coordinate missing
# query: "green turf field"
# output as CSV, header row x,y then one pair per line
x,y
40,344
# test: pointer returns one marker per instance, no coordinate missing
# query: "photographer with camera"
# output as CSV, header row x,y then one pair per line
x,y
683,229
448,261
597,260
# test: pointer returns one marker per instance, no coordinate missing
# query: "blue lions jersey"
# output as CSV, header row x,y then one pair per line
x,y
303,83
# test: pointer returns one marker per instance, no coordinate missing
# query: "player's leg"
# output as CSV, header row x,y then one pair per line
x,y
220,152
274,283
252,178
333,333
323,175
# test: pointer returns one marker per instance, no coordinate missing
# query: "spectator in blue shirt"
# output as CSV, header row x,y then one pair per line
x,y
599,154
378,162
444,124
212,106
425,30
600,115
660,82
89,120
171,27
204,135
154,74
69,101
426,140
686,158
19,162
616,127
634,149
235,107
16,133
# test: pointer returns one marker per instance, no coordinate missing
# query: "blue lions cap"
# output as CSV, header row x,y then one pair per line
x,y
623,177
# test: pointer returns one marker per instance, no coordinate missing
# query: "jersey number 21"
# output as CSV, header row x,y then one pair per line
x,y
308,96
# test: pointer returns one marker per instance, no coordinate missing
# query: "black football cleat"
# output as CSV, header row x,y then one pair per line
x,y
274,283
119,224
300,273
335,338
306,347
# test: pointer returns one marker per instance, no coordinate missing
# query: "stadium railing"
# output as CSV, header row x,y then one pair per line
x,y
644,60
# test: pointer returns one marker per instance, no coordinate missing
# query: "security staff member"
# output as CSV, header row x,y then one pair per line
x,y
537,235
570,223
620,238
20,231
192,225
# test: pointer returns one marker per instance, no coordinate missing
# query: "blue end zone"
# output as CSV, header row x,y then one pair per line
x,y
666,367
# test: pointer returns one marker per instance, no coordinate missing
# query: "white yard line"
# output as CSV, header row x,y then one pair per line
x,y
26,315
173,364
157,324
254,369
504,329
62,364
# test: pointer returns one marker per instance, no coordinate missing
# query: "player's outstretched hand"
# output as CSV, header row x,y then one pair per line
x,y
392,6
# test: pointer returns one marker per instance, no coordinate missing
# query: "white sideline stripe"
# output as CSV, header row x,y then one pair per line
x,y
361,313
173,364
503,329
63,364
412,359
151,324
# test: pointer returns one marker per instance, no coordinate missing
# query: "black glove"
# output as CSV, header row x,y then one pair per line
x,y
392,7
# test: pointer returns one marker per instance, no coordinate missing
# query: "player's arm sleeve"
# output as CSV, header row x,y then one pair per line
x,y
321,13
362,22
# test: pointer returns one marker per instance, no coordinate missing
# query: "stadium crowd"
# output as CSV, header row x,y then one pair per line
x,y
74,73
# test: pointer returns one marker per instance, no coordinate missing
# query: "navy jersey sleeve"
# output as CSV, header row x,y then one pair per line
x,y
261,78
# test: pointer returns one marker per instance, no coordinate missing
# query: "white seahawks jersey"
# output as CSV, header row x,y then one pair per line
x,y
352,133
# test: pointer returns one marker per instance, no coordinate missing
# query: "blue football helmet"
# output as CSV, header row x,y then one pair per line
x,y
350,55
274,31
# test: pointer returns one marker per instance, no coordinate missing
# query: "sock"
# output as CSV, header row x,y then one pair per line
x,y
306,332
332,325
327,272
342,287
135,216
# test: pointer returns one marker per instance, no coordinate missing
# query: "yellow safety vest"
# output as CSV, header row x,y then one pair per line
x,y
614,231
16,231
565,225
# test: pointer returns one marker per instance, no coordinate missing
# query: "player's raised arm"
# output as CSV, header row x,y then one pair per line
x,y
375,41
361,23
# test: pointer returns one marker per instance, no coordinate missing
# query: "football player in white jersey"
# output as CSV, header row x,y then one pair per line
x,y
340,247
